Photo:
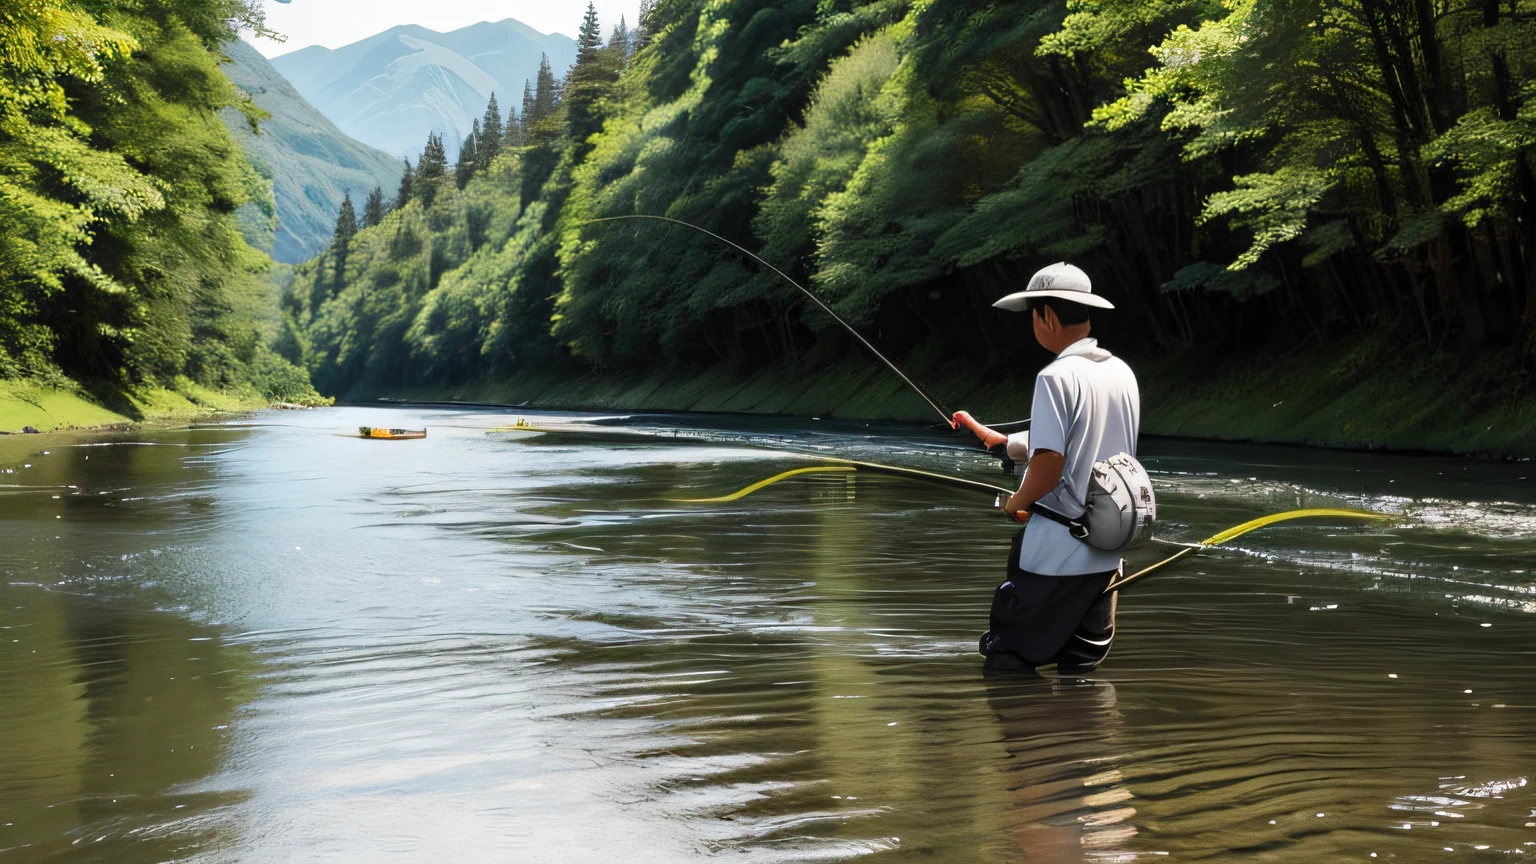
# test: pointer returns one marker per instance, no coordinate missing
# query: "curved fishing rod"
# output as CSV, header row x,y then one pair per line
x,y
843,466
814,299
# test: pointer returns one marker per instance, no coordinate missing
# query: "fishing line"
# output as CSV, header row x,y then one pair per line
x,y
814,299
1239,530
844,466
832,465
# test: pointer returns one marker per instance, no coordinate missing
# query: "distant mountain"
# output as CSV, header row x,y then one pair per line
x,y
310,162
392,89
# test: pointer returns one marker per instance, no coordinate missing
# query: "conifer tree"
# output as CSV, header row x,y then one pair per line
x,y
341,242
374,208
597,67
621,42
407,184
517,132
546,94
642,35
469,159
431,168
542,132
491,134
590,38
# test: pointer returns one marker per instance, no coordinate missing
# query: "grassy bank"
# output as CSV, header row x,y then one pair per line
x,y
49,408
1366,394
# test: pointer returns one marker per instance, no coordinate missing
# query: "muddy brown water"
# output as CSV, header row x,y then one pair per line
x,y
264,641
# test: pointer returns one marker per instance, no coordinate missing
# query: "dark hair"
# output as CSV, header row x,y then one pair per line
x,y
1067,312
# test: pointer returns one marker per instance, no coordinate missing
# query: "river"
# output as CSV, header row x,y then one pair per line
x,y
268,640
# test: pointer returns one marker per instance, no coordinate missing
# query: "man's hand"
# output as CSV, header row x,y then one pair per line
x,y
989,437
1042,475
1019,516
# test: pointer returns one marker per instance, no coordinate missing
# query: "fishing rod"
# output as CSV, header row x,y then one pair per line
x,y
802,289
834,465
844,466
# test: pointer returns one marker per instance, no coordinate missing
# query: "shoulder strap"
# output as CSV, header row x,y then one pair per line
x,y
1077,528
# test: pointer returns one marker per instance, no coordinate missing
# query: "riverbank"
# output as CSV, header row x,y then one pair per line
x,y
1368,394
64,407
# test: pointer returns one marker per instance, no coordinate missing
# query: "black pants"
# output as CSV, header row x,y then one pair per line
x,y
1066,620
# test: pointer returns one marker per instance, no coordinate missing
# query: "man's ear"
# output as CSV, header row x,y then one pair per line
x,y
1048,317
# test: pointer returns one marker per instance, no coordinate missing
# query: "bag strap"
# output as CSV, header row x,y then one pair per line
x,y
1077,528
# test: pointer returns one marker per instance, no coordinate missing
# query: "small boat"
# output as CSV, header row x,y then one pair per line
x,y
391,434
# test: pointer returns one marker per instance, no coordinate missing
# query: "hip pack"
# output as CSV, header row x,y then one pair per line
x,y
1121,505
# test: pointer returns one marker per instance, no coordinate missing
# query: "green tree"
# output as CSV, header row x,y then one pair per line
x,y
374,208
469,158
542,130
407,186
597,68
431,169
341,240
46,229
490,140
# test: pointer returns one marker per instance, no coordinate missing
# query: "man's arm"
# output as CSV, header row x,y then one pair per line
x,y
989,437
1042,475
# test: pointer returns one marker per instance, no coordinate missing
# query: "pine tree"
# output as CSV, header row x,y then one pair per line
x,y
546,94
407,184
341,242
374,208
346,222
469,159
621,42
431,168
590,38
491,134
518,128
642,35
597,67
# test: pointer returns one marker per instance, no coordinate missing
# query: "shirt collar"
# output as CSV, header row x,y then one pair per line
x,y
1086,346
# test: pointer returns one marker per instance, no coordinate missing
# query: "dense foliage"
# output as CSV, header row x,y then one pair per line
x,y
120,258
1232,173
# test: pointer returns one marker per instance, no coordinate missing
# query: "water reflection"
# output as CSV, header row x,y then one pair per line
x,y
110,715
1064,737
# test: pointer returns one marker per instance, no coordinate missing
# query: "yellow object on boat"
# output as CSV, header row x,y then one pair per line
x,y
391,434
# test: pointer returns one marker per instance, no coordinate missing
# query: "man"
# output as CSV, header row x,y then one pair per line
x,y
1086,408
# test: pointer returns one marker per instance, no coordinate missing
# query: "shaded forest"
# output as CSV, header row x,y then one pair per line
x,y
121,263
1236,176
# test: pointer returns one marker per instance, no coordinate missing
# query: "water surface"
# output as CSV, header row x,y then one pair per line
x,y
265,641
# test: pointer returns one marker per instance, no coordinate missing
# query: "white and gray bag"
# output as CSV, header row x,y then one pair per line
x,y
1120,508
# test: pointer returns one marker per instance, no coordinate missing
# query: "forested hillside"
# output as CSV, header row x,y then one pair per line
x,y
395,87
120,261
1236,176
311,164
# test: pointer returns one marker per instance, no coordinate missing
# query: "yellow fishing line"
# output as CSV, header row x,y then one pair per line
x,y
742,493
1264,521
845,466
1239,530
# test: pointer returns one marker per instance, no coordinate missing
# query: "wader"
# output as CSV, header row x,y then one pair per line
x,y
1038,620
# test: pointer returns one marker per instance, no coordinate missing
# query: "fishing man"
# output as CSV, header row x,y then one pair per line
x,y
1087,408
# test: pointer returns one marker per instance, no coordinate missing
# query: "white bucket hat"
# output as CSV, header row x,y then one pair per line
x,y
1062,281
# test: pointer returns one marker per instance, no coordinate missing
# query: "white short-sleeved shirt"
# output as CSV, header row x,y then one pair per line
x,y
1087,407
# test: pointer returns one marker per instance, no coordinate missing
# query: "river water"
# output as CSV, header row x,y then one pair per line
x,y
264,641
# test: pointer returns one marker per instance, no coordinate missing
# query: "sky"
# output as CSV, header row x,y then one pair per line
x,y
334,23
